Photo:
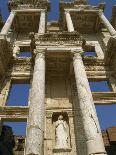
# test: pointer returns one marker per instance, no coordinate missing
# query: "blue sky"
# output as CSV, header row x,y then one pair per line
x,y
106,114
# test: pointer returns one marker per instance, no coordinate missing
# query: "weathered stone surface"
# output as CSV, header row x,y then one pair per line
x,y
92,133
35,127
59,89
8,23
69,21
107,24
42,22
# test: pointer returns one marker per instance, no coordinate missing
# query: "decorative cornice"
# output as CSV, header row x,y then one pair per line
x,y
80,4
21,4
57,39
110,52
93,61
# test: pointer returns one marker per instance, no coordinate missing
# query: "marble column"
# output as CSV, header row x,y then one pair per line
x,y
8,23
69,21
92,132
42,22
106,23
35,127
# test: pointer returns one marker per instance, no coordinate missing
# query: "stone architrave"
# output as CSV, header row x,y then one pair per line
x,y
8,23
42,22
35,127
106,23
69,21
92,132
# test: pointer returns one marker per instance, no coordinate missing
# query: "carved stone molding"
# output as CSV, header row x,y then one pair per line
x,y
55,39
19,4
40,52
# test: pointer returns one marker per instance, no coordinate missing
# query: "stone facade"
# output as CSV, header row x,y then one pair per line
x,y
59,73
109,138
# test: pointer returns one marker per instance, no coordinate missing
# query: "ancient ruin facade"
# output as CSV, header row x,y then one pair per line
x,y
61,115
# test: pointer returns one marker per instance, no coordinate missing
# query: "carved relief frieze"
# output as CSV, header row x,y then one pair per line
x,y
24,4
94,68
57,39
5,54
22,65
13,112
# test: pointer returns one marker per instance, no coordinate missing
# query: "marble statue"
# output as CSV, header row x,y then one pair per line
x,y
61,133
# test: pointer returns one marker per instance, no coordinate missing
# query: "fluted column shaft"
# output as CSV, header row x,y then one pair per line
x,y
92,132
69,21
106,23
42,22
8,23
35,127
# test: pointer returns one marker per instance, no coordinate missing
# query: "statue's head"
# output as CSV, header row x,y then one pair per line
x,y
60,117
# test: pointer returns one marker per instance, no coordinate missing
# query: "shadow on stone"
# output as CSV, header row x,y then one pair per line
x,y
7,141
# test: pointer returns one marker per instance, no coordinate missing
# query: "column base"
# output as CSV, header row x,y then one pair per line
x,y
96,146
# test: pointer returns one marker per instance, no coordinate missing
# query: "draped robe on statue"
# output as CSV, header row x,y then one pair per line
x,y
61,133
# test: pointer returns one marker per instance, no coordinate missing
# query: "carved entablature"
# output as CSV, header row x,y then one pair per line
x,y
22,65
93,64
93,61
13,113
82,4
59,39
5,49
24,4
84,17
110,54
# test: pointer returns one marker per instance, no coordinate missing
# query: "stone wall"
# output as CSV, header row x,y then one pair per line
x,y
109,137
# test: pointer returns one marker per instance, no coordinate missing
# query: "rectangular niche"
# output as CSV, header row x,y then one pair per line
x,y
18,94
100,86
61,130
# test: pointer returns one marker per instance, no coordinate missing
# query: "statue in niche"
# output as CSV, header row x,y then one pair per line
x,y
61,133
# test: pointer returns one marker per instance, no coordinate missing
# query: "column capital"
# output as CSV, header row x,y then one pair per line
x,y
66,11
77,53
13,11
100,12
40,53
43,11
106,23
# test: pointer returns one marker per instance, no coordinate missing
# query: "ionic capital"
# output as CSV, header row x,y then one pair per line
x,y
40,53
77,53
13,12
43,11
100,12
67,11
